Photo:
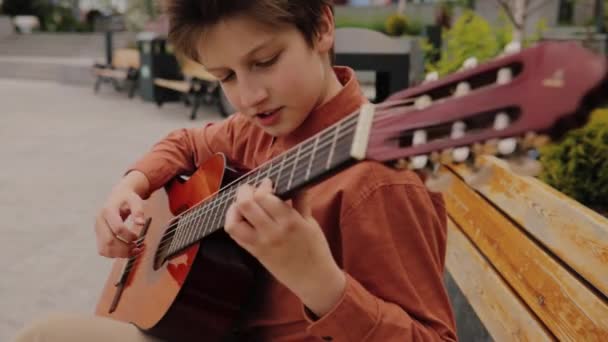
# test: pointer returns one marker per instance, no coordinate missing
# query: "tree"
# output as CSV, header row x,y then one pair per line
x,y
518,12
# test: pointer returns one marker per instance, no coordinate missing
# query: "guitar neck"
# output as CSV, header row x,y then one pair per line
x,y
306,163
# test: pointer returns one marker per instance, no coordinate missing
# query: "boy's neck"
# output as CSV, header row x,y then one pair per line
x,y
333,86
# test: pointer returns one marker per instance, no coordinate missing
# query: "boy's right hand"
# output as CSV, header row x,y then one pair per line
x,y
114,238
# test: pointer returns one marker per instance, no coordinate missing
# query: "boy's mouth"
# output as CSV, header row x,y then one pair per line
x,y
269,117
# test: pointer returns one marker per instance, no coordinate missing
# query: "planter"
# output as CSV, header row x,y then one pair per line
x,y
26,23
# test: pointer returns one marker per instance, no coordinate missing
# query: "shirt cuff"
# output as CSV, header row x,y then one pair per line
x,y
156,174
351,319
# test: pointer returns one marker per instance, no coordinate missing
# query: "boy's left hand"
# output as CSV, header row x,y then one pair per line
x,y
289,242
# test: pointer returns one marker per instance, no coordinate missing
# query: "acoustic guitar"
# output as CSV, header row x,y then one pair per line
x,y
191,282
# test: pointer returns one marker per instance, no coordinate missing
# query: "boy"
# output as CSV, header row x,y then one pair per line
x,y
364,262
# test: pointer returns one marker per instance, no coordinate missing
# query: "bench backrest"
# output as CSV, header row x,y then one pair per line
x,y
193,69
126,58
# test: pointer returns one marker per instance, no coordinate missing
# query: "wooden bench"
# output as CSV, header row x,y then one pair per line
x,y
124,71
197,86
531,262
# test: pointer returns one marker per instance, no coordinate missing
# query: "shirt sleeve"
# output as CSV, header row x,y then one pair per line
x,y
183,150
393,251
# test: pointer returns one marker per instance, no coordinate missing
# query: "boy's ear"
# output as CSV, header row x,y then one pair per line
x,y
326,30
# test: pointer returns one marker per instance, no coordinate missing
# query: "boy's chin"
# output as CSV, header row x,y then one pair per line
x,y
276,132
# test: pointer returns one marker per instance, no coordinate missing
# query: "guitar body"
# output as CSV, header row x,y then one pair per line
x,y
196,295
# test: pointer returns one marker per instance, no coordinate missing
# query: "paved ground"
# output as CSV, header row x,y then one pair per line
x,y
61,149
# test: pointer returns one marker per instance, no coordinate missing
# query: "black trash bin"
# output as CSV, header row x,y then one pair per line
x,y
156,62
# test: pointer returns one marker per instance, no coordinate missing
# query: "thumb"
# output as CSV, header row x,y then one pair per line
x,y
301,203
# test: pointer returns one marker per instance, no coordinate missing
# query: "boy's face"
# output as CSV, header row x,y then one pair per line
x,y
271,75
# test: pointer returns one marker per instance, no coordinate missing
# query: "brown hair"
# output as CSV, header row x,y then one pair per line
x,y
189,18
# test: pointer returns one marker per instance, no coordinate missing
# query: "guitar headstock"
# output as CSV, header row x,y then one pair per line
x,y
495,107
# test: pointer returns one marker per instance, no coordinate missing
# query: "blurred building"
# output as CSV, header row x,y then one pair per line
x,y
119,5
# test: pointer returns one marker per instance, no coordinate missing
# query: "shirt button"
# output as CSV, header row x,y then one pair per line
x,y
327,338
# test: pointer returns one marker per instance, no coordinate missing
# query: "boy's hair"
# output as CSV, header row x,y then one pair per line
x,y
189,18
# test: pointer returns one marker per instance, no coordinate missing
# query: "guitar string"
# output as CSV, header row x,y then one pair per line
x,y
215,202
227,194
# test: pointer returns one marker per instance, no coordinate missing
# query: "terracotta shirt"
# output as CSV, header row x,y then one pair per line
x,y
385,229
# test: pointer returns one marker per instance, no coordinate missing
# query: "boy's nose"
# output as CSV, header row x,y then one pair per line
x,y
251,97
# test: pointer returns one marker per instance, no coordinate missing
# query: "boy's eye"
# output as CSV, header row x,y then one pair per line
x,y
227,77
268,62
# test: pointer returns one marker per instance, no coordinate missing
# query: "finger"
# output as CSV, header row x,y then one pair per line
x,y
301,203
117,226
107,245
136,207
232,216
239,229
265,186
251,210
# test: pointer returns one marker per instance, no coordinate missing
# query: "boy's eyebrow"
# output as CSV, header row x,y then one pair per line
x,y
251,52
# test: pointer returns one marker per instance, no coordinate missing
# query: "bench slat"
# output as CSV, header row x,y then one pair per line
x,y
500,310
112,73
569,309
181,86
576,234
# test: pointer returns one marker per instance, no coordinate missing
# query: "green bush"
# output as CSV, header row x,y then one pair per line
x,y
396,24
473,36
413,27
470,36
375,24
61,19
578,165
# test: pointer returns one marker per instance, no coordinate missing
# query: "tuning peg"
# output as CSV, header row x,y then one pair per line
x,y
469,63
431,76
512,47
419,162
423,102
505,75
459,154
462,89
507,146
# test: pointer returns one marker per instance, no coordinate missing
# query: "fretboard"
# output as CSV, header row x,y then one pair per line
x,y
305,163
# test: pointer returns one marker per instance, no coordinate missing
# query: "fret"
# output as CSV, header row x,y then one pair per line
x,y
299,175
206,216
293,168
284,180
312,157
333,146
179,242
174,237
189,227
213,213
198,226
276,183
